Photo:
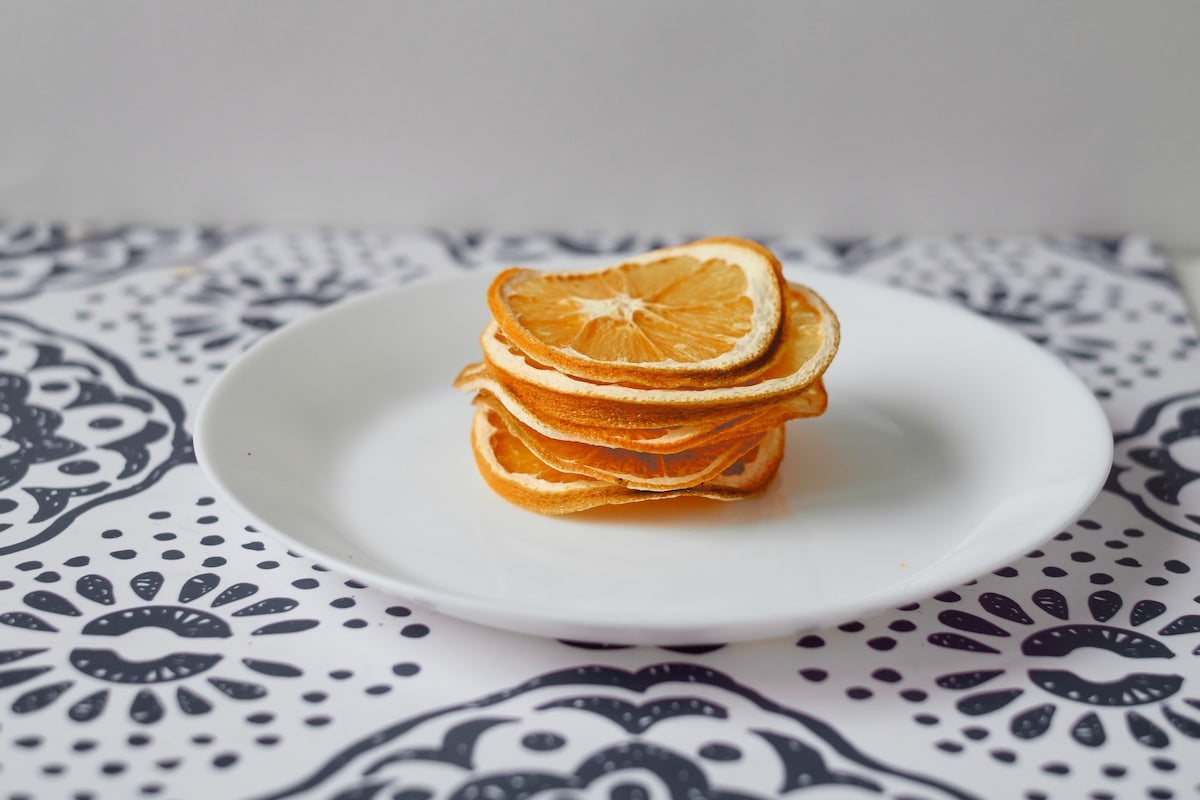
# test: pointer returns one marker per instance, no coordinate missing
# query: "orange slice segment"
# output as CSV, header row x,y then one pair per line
x,y
701,310
513,472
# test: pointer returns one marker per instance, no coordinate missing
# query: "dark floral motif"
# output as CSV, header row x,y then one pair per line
x,y
264,306
1095,706
1047,320
850,254
260,285
106,668
663,731
481,249
1156,465
40,256
1123,255
476,248
79,429
1116,326
686,649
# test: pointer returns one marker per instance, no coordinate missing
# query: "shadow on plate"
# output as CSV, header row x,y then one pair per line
x,y
859,454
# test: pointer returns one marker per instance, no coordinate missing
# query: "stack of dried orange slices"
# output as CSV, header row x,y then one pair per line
x,y
669,374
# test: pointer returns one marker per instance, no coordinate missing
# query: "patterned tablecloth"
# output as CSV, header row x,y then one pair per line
x,y
151,644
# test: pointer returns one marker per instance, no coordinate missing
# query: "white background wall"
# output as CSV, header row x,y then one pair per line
x,y
831,117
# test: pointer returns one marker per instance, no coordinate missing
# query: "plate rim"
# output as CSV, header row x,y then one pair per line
x,y
527,619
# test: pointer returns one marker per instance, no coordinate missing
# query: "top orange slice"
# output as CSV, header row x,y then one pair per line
x,y
673,315
809,341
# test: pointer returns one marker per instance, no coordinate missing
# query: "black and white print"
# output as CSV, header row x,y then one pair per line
x,y
154,645
258,285
1157,464
1137,704
181,680
180,646
1074,664
472,249
79,429
667,730
1117,324
40,256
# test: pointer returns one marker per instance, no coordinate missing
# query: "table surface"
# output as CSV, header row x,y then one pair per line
x,y
154,645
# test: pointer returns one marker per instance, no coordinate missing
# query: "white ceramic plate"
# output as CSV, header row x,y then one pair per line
x,y
951,446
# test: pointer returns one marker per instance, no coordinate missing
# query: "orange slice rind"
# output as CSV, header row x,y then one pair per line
x,y
632,468
810,402
675,316
517,475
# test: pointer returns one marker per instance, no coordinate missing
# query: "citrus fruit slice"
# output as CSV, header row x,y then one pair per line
x,y
809,342
517,475
810,402
680,314
654,472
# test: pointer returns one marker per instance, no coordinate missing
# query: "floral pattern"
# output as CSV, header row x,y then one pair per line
x,y
105,663
151,644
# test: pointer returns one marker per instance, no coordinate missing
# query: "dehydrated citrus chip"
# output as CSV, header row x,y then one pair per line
x,y
808,343
671,317
673,438
516,474
633,469
670,374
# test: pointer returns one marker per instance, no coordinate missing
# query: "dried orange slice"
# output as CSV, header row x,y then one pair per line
x,y
673,438
634,469
672,317
808,343
516,474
